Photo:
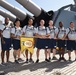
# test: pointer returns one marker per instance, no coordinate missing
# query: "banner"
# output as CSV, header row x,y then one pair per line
x,y
27,43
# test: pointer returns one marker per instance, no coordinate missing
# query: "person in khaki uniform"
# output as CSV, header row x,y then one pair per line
x,y
5,30
41,33
51,40
15,34
29,31
60,34
71,39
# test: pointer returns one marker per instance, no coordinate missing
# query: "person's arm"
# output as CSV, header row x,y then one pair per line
x,y
23,33
66,34
0,33
13,33
23,30
56,33
2,36
48,33
55,36
36,33
2,28
64,37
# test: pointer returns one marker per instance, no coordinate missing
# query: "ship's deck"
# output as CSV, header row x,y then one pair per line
x,y
41,68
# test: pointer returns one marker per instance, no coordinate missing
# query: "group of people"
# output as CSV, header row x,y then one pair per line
x,y
48,38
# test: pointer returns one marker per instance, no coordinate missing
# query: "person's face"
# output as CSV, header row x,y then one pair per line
x,y
17,23
71,25
7,20
42,22
50,23
60,24
30,22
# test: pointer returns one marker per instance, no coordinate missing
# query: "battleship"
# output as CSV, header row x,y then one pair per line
x,y
42,68
62,14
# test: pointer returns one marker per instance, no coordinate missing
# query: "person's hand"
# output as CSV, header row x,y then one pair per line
x,y
62,38
18,37
55,38
3,42
43,36
49,37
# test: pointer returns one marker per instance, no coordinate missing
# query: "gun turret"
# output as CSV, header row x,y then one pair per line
x,y
38,12
16,11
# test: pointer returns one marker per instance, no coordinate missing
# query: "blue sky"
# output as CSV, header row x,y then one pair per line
x,y
45,4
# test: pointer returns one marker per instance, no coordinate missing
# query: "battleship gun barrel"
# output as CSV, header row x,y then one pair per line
x,y
30,6
16,11
5,14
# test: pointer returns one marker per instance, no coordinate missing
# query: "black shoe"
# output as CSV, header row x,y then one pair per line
x,y
26,61
47,60
9,62
3,64
60,59
31,60
37,60
16,61
69,58
19,59
63,59
54,58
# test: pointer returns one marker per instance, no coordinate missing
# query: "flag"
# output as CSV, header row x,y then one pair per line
x,y
27,43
